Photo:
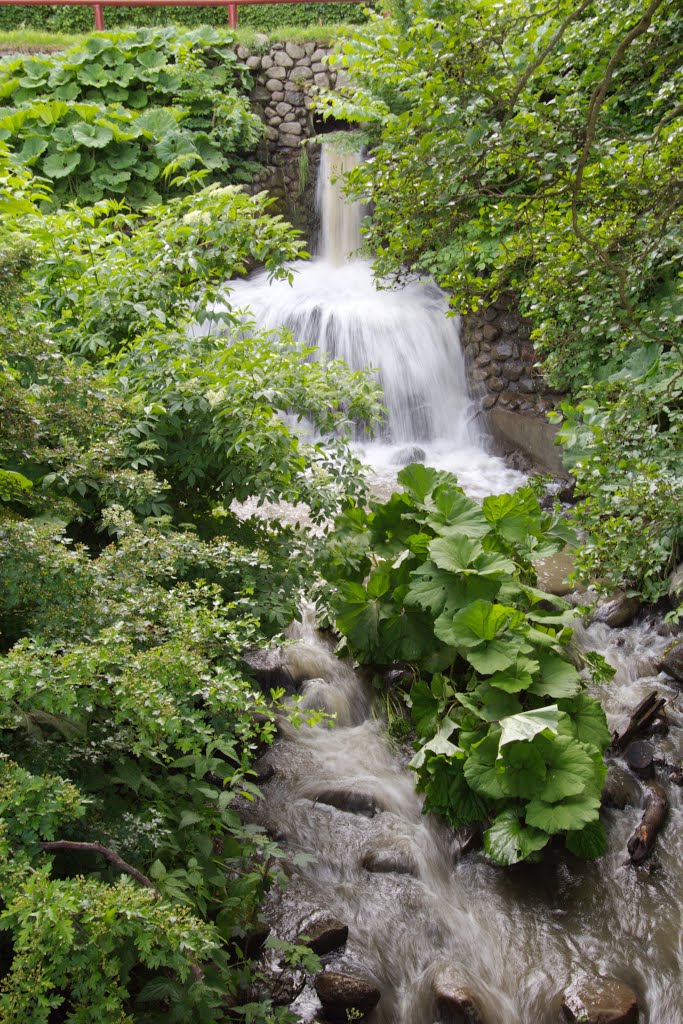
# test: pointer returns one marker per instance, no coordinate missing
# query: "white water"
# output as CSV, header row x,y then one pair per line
x,y
405,334
518,937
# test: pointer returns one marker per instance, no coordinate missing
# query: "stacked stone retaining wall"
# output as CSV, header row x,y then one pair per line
x,y
284,77
501,360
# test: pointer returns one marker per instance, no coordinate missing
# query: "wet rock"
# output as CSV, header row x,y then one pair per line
x,y
621,789
323,934
340,993
640,757
619,611
388,862
287,986
676,585
352,803
467,838
672,662
413,453
602,1001
456,1003
267,665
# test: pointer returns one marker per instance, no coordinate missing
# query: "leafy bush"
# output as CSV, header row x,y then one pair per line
x,y
623,441
129,887
263,18
110,116
506,731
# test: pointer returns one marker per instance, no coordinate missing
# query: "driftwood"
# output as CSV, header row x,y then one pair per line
x,y
656,806
642,718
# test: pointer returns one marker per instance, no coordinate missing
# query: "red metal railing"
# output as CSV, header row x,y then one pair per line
x,y
98,5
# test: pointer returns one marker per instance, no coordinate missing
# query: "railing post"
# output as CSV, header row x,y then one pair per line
x,y
99,17
232,15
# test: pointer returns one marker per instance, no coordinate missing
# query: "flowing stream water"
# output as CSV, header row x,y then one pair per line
x,y
418,911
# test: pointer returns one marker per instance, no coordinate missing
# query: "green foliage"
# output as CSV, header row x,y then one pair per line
x,y
623,441
506,732
129,885
109,117
538,147
263,18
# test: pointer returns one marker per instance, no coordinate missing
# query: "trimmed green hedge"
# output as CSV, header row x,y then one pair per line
x,y
260,17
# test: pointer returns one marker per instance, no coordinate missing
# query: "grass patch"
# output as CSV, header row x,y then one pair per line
x,y
36,41
27,40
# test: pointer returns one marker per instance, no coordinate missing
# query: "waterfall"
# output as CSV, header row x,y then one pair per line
x,y
340,220
406,334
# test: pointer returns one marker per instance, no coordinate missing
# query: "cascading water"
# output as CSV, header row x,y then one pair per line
x,y
418,914
404,333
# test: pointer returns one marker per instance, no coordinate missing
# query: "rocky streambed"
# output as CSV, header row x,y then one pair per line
x,y
413,924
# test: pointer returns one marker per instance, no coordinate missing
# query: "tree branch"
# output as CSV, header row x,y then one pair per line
x,y
535,65
596,102
60,845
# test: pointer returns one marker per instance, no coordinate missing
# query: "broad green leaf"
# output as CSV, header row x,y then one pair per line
x,y
572,813
122,155
523,770
438,744
517,677
94,136
481,620
508,841
418,480
557,677
494,655
438,590
570,770
587,720
496,704
33,146
513,515
357,617
590,842
426,707
58,165
481,768
528,724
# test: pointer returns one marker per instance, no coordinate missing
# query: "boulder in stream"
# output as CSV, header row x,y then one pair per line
x,y
346,800
323,933
412,453
456,1003
268,667
388,861
672,662
600,1001
340,993
621,610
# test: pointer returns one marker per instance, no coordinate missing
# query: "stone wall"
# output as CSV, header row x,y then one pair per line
x,y
284,76
500,359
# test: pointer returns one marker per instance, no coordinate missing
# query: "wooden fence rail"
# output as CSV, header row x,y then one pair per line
x,y
99,5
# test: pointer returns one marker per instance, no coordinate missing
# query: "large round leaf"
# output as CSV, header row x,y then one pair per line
x,y
58,165
95,136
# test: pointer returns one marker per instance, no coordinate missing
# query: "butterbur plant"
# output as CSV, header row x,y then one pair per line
x,y
109,117
506,732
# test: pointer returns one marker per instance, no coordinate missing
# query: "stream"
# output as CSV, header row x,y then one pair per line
x,y
420,912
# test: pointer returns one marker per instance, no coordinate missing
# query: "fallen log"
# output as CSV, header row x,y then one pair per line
x,y
641,719
655,810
